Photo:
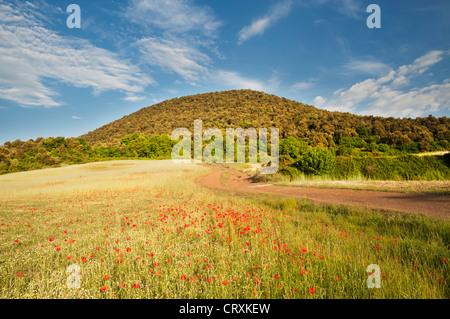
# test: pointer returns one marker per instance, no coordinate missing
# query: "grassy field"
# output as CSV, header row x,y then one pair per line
x,y
360,183
143,229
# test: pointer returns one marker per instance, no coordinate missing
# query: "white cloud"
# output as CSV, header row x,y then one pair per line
x,y
304,85
175,56
259,26
31,55
366,67
319,101
384,96
133,98
236,81
351,8
76,117
177,16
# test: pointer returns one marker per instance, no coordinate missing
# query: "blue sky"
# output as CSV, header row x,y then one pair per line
x,y
58,81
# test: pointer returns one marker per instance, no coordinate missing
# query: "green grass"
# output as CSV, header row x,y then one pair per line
x,y
253,246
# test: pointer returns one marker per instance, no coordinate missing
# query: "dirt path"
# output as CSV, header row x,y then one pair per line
x,y
433,205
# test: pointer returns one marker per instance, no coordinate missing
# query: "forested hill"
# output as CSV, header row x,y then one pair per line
x,y
247,108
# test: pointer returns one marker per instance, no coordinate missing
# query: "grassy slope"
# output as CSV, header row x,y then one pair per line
x,y
173,228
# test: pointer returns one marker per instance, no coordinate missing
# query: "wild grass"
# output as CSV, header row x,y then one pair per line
x,y
145,230
359,182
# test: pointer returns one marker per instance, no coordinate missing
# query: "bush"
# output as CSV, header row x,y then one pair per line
x,y
317,161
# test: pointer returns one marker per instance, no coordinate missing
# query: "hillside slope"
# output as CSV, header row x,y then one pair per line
x,y
247,108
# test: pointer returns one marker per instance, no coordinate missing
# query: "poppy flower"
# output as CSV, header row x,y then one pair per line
x,y
106,277
312,291
103,288
135,286
183,277
225,282
122,285
276,277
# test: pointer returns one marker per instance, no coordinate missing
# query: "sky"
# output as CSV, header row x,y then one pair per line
x,y
129,54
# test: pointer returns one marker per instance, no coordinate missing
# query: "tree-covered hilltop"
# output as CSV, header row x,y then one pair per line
x,y
247,108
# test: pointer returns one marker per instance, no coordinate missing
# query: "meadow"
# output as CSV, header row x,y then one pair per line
x,y
144,229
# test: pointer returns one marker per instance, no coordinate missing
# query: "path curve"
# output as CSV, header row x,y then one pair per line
x,y
429,204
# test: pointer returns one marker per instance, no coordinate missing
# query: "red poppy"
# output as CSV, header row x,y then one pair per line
x,y
103,288
183,277
225,282
106,277
19,274
50,239
276,277
122,285
208,280
135,286
312,291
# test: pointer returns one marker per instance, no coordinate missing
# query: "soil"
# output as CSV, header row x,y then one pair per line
x,y
238,182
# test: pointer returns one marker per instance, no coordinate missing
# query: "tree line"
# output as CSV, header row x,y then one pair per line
x,y
364,155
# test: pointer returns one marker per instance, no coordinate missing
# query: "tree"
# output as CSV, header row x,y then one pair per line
x,y
291,149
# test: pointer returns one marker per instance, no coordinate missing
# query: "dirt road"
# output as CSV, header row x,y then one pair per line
x,y
433,205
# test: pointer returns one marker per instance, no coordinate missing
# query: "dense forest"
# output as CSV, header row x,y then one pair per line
x,y
313,141
247,108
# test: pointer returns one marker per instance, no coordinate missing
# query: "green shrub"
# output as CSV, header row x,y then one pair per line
x,y
317,161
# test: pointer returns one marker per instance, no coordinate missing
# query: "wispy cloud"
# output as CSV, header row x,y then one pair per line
x,y
366,67
76,117
133,98
31,54
303,85
384,96
175,55
259,26
350,8
235,80
176,16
